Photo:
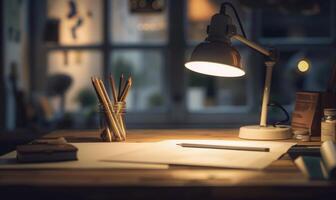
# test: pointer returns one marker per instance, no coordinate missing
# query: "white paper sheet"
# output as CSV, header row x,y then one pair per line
x,y
89,156
167,152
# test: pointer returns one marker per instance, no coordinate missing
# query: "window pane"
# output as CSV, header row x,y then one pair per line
x,y
146,68
137,27
201,11
294,17
79,66
80,22
217,94
288,79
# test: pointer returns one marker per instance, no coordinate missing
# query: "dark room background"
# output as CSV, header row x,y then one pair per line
x,y
51,48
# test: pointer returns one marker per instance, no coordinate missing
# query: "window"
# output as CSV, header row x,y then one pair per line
x,y
152,43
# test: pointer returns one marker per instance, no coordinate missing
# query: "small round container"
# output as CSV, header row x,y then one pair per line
x,y
119,110
328,125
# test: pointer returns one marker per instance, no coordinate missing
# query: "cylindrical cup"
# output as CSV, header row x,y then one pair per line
x,y
108,135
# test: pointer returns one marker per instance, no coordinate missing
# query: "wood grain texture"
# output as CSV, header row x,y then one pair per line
x,y
280,180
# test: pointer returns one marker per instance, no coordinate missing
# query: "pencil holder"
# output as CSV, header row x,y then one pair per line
x,y
117,133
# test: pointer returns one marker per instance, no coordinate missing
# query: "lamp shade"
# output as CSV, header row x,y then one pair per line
x,y
216,58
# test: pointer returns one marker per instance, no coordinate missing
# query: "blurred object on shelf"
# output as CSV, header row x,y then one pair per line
x,y
51,31
309,107
57,85
146,6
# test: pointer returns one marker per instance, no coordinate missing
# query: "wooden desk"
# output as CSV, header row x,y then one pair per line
x,y
280,180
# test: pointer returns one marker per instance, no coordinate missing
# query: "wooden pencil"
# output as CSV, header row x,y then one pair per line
x,y
121,120
116,131
121,80
125,87
101,100
113,88
111,121
123,93
119,132
109,137
116,116
126,90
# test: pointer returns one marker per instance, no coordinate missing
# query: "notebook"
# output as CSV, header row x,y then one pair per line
x,y
46,150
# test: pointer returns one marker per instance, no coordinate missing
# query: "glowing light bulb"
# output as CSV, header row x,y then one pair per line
x,y
214,69
303,65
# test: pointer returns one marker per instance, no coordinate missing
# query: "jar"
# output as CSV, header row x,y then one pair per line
x,y
328,125
119,111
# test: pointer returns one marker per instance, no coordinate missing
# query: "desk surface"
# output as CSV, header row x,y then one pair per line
x,y
280,180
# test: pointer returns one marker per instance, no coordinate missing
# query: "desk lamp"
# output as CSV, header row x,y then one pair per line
x,y
216,57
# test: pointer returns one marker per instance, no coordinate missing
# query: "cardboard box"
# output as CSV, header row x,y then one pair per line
x,y
308,110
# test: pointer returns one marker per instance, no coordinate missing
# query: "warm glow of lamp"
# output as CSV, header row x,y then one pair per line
x,y
214,69
303,65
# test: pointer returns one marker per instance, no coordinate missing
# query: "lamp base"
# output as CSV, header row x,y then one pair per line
x,y
257,132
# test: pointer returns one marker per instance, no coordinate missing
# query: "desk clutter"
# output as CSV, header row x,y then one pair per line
x,y
310,109
114,130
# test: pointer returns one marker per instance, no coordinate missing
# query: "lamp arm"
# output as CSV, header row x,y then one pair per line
x,y
268,78
254,46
